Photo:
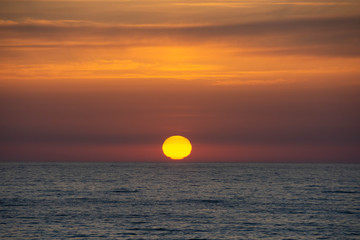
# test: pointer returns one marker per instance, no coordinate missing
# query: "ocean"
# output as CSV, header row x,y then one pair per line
x,y
179,200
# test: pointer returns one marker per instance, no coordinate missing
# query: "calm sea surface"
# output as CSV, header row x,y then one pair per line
x,y
179,201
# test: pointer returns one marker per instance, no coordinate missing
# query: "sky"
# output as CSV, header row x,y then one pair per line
x,y
244,81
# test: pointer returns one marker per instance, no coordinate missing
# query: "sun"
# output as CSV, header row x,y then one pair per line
x,y
177,147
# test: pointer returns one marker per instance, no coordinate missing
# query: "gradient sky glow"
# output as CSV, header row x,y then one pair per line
x,y
247,81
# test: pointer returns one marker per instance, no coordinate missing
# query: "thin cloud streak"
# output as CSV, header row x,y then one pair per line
x,y
330,36
252,4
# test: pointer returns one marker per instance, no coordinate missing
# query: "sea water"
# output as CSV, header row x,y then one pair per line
x,y
179,200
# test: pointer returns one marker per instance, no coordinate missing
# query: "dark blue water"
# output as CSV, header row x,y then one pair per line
x,y
179,201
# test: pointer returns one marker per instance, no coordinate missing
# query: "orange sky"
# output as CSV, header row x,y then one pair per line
x,y
262,81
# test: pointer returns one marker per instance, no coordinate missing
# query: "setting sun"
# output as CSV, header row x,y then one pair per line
x,y
177,147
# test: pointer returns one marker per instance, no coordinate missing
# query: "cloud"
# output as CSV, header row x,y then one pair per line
x,y
317,36
250,82
248,4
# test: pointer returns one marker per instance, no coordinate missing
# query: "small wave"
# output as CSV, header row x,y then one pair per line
x,y
137,216
345,212
128,234
340,191
209,201
124,190
250,223
159,229
138,222
80,236
80,200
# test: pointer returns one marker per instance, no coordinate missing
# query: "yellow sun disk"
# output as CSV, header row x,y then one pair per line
x,y
177,147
